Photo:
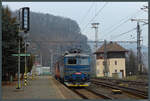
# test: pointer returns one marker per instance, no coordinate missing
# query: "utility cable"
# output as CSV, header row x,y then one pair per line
x,y
85,15
122,20
114,28
95,16
134,14
118,26
127,31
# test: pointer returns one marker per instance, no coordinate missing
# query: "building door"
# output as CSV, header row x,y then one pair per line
x,y
122,71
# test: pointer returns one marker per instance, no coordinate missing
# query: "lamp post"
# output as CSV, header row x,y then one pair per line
x,y
18,86
51,52
25,75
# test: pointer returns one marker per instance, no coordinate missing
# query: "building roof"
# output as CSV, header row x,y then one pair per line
x,y
111,47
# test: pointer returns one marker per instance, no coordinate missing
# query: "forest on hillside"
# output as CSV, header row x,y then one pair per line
x,y
54,34
48,35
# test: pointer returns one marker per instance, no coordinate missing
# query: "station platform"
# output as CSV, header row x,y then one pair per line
x,y
42,87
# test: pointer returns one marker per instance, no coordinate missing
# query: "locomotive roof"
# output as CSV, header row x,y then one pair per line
x,y
76,54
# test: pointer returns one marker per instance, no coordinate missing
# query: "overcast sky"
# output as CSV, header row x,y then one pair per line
x,y
114,17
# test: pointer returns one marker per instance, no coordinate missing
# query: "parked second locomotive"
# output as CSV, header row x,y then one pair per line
x,y
73,69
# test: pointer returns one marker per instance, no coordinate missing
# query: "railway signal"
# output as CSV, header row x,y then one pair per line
x,y
25,17
25,28
23,23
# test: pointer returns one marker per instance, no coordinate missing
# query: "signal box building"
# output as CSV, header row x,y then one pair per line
x,y
115,60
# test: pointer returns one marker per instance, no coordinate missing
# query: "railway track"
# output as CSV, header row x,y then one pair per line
x,y
89,94
135,92
140,83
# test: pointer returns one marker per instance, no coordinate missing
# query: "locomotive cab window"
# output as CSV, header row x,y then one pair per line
x,y
72,61
83,61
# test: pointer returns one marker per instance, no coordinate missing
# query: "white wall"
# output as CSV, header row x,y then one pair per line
x,y
112,67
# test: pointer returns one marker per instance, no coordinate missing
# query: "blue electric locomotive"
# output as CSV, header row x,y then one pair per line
x,y
74,70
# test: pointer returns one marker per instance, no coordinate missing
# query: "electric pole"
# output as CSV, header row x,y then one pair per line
x,y
139,47
51,64
19,85
95,26
139,54
25,75
105,60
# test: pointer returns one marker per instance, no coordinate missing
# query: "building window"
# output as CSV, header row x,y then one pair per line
x,y
115,62
104,63
98,71
115,70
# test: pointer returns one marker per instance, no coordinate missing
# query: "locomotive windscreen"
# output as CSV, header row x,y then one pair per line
x,y
72,61
83,61
77,61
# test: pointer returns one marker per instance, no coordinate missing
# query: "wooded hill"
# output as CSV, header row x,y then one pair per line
x,y
56,34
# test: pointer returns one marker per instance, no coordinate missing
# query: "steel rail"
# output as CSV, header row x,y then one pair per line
x,y
121,80
99,94
80,94
91,91
132,91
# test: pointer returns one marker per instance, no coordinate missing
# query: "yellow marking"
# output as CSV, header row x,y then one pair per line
x,y
121,84
77,85
126,85
18,85
116,91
